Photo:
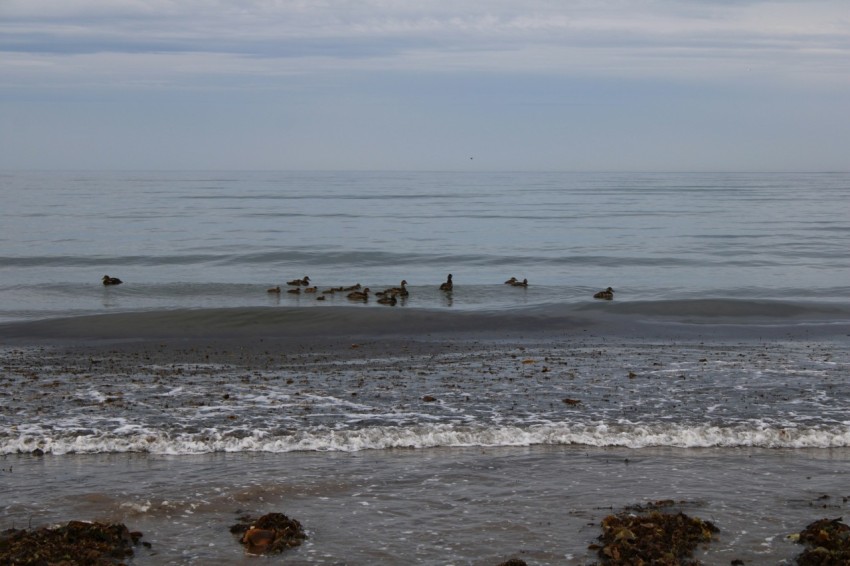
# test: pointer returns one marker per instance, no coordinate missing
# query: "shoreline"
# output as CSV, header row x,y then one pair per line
x,y
402,504
334,326
371,391
435,506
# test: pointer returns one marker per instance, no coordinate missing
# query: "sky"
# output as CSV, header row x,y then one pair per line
x,y
453,85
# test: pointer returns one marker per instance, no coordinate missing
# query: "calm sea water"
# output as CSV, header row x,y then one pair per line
x,y
512,421
199,239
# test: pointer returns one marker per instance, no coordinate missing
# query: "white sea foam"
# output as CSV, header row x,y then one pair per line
x,y
436,435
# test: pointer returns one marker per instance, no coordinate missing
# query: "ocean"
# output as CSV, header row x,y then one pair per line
x,y
460,427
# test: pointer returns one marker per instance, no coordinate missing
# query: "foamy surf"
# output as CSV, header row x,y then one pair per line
x,y
136,439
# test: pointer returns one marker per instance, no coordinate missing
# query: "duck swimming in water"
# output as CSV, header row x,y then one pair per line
x,y
274,290
511,281
523,283
402,290
299,282
107,280
388,300
607,294
448,285
395,291
359,295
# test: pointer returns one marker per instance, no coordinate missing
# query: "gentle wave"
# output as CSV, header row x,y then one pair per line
x,y
754,435
344,320
347,258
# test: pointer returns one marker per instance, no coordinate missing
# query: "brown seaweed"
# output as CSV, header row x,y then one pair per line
x,y
652,538
270,534
78,542
827,542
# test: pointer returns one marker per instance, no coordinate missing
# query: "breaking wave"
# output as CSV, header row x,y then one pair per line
x,y
753,435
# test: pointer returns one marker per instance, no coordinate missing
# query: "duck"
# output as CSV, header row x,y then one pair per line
x,y
354,287
402,290
310,289
299,282
107,280
296,291
607,294
511,281
274,290
448,285
388,299
359,295
395,291
523,283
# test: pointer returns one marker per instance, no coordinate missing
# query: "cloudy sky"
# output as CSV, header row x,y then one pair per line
x,y
436,85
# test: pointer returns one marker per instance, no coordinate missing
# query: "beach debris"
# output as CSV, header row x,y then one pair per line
x,y
513,562
827,542
569,401
429,398
652,538
78,542
270,534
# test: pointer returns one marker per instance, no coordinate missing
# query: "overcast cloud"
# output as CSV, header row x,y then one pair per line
x,y
574,85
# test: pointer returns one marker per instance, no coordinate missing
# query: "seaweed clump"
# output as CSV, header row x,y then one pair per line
x,y
652,538
270,534
78,542
828,542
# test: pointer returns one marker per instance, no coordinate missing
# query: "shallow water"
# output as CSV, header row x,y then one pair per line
x,y
173,400
178,439
472,505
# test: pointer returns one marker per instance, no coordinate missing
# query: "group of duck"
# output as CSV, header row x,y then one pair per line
x,y
605,294
391,295
386,297
354,292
